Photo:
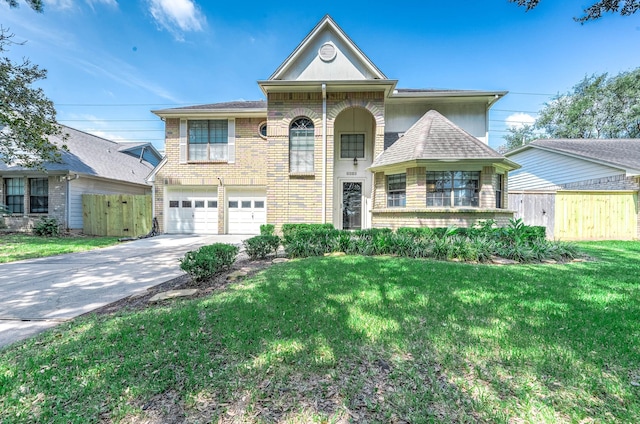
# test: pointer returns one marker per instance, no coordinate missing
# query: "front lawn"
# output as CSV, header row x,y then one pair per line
x,y
16,247
354,339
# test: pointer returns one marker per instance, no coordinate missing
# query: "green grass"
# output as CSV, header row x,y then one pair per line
x,y
339,338
16,247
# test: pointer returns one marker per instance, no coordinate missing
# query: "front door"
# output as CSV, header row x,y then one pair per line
x,y
351,205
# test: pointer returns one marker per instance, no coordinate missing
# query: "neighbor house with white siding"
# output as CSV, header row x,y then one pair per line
x,y
92,165
580,189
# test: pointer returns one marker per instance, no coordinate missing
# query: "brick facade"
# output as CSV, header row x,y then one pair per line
x,y
248,170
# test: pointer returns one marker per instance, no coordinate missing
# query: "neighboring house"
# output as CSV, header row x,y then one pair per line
x,y
92,165
335,142
142,151
579,189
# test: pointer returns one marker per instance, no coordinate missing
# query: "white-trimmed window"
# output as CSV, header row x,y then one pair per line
x,y
208,140
301,145
38,195
396,190
352,146
453,188
499,190
14,197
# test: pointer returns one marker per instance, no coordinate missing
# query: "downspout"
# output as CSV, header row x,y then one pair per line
x,y
324,153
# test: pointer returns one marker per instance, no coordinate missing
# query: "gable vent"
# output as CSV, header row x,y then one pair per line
x,y
327,52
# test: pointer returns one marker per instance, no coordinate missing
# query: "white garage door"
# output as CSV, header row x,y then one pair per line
x,y
246,211
192,211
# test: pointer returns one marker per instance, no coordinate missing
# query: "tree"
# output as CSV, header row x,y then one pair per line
x,y
595,11
597,107
519,136
27,116
36,5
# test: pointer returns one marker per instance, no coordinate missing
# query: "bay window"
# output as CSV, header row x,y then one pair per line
x,y
453,188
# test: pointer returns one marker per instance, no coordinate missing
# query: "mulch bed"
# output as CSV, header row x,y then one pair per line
x,y
205,287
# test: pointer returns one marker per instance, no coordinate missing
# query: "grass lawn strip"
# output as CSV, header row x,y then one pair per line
x,y
340,339
16,247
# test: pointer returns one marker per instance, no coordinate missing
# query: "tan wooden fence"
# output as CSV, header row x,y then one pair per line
x,y
596,215
118,215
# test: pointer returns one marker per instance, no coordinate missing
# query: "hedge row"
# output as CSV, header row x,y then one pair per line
x,y
516,241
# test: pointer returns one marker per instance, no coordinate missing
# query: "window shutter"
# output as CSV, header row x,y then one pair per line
x,y
231,141
183,141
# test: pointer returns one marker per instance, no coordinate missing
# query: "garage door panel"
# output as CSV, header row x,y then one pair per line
x,y
246,211
192,211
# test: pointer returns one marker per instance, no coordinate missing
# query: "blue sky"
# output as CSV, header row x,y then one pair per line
x,y
110,62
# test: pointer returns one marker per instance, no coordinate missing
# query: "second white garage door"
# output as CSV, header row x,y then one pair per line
x,y
246,211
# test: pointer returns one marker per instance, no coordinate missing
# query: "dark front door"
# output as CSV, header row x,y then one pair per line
x,y
351,206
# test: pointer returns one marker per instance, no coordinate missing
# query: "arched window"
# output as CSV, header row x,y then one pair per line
x,y
301,141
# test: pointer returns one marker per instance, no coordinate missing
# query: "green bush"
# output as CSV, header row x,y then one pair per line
x,y
47,227
267,230
209,260
259,247
303,240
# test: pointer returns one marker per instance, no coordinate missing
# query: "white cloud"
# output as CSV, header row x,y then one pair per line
x,y
177,16
59,4
110,3
123,73
519,120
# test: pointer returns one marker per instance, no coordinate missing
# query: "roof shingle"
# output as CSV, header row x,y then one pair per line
x,y
435,137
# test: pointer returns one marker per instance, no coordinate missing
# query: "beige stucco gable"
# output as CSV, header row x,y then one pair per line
x,y
327,54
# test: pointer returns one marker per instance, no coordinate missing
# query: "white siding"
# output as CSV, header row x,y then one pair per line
x,y
471,117
345,66
93,186
542,169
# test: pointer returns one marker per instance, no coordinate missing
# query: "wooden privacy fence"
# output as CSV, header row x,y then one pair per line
x,y
118,215
580,214
594,215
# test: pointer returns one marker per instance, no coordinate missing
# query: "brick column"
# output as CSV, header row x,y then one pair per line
x,y
487,187
416,187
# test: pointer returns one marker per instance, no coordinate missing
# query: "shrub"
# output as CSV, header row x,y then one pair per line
x,y
303,240
209,260
259,247
47,227
267,230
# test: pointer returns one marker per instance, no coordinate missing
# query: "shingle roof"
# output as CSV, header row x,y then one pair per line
x,y
94,156
623,152
240,104
434,137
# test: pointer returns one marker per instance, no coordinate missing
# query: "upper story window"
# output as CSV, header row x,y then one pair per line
x,y
14,197
208,140
499,190
38,195
396,190
301,145
262,130
453,188
352,146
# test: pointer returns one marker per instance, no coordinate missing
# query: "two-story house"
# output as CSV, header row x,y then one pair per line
x,y
334,142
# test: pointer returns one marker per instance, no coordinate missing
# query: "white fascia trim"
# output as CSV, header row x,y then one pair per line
x,y
218,113
151,178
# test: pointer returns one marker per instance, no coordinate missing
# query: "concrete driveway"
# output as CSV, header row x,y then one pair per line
x,y
37,294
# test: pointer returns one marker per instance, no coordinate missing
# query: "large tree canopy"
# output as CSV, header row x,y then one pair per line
x,y
27,116
599,106
36,5
595,11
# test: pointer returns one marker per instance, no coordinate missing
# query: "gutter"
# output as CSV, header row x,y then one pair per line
x,y
324,153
